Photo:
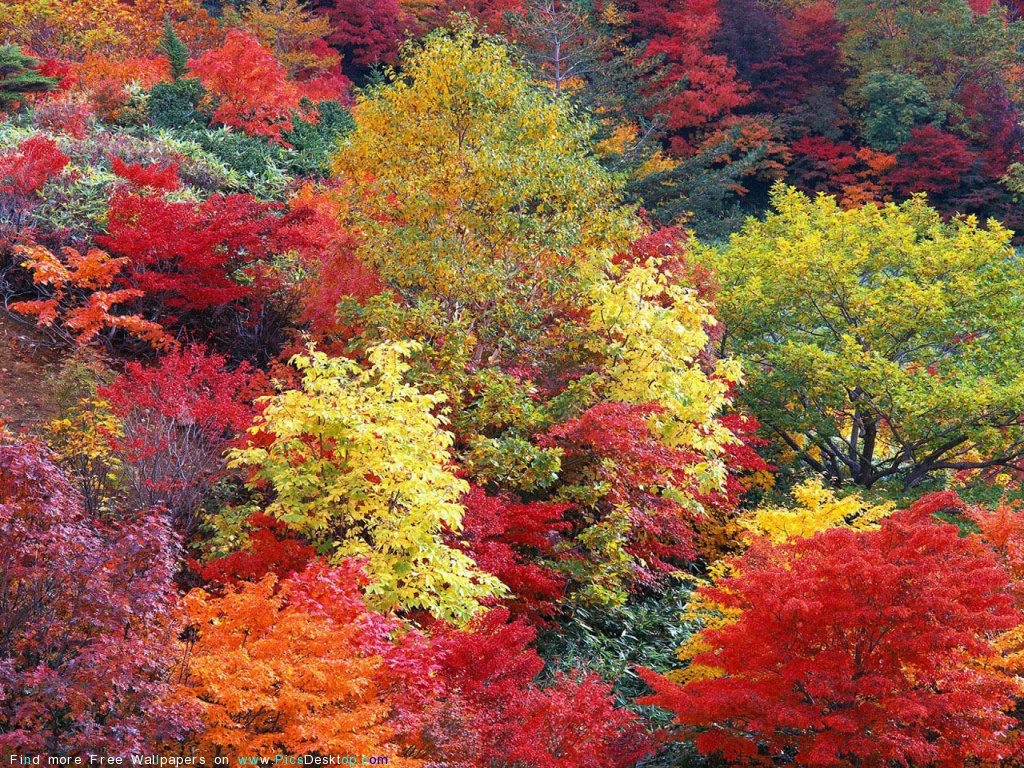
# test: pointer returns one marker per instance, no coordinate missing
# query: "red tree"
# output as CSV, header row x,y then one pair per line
x,y
177,417
864,648
491,711
807,58
249,87
682,31
613,443
85,612
328,252
367,32
932,161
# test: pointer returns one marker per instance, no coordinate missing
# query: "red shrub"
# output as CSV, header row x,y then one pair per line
x,y
860,647
185,255
23,172
178,417
270,550
87,606
503,537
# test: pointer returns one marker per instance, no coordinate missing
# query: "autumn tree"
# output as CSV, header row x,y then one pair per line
x,y
853,647
110,29
359,461
481,193
86,607
291,667
367,33
883,346
248,88
491,706
188,257
294,34
682,32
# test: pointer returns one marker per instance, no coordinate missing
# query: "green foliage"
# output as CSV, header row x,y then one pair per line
x,y
513,462
894,104
313,144
20,76
878,342
701,190
175,49
176,104
945,44
257,164
644,631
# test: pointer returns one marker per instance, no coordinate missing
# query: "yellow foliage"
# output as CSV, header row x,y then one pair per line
x,y
478,189
358,460
655,333
817,510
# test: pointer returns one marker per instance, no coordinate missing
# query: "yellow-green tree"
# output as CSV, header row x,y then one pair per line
x,y
879,342
359,462
479,190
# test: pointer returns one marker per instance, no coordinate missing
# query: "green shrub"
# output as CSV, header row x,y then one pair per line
x,y
176,104
313,144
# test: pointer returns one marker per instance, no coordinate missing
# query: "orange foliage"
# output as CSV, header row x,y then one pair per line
x,y
292,668
80,299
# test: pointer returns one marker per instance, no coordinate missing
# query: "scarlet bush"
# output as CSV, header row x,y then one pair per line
x,y
270,550
190,256
23,172
492,711
177,418
854,647
504,537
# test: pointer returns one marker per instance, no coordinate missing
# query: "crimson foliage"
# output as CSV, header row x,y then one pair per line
x,y
854,647
86,630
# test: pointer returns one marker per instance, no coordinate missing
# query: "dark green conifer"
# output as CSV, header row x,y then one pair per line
x,y
20,75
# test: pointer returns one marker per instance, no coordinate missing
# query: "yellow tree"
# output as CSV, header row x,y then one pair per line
x,y
478,189
359,461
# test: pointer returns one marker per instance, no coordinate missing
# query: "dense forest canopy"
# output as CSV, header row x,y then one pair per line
x,y
512,383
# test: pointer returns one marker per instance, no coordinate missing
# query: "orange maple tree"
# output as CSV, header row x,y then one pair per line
x,y
83,297
293,667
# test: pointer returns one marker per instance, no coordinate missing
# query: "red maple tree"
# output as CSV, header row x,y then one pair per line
x,y
854,647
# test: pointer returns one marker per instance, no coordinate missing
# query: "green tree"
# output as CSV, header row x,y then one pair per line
x,y
175,49
945,44
878,342
894,104
20,76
